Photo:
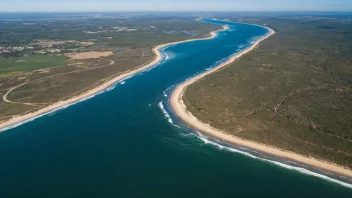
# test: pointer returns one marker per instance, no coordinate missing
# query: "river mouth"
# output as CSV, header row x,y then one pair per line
x,y
126,142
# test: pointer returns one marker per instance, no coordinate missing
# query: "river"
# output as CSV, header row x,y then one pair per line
x,y
125,142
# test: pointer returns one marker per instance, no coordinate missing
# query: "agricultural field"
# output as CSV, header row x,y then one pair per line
x,y
46,58
21,65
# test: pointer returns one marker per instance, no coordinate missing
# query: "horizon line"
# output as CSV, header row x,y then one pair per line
x,y
102,11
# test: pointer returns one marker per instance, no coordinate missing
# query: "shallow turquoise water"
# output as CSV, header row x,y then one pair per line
x,y
122,144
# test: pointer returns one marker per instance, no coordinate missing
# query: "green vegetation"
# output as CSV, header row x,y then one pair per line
x,y
50,89
130,37
23,64
293,92
83,28
8,110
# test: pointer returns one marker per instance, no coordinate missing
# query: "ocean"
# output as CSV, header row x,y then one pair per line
x,y
126,142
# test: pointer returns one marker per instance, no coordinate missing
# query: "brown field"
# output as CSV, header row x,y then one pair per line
x,y
80,62
88,55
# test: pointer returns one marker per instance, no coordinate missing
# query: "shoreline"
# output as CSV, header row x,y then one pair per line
x,y
16,121
179,108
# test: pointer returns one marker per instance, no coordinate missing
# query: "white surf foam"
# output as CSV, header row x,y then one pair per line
x,y
242,46
64,107
188,134
48,113
170,88
111,88
161,106
290,167
166,114
254,39
167,56
52,114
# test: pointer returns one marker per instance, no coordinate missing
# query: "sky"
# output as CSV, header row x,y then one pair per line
x,y
174,5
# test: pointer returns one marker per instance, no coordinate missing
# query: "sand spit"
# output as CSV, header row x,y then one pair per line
x,y
180,109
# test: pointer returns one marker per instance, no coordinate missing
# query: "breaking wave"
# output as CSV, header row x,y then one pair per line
x,y
47,113
166,114
111,88
84,99
161,106
286,166
167,56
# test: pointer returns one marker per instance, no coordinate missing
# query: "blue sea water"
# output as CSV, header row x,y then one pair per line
x,y
126,142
